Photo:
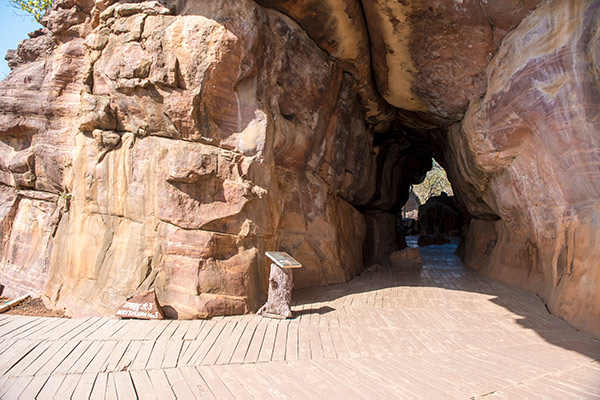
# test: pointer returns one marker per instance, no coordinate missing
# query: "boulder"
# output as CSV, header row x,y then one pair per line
x,y
408,259
143,305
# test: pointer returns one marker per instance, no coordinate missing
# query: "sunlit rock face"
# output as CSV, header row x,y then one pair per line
x,y
169,144
526,160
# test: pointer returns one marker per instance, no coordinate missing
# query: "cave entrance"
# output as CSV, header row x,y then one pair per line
x,y
414,198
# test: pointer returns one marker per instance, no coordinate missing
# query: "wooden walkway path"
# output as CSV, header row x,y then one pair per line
x,y
440,333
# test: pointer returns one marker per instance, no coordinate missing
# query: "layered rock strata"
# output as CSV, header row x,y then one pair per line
x,y
143,149
526,161
167,145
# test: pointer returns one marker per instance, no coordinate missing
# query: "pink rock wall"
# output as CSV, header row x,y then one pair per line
x,y
182,146
526,158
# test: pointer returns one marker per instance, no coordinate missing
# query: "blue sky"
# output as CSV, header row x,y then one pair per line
x,y
14,27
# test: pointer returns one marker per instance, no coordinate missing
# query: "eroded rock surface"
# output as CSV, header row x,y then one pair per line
x,y
185,144
526,158
167,144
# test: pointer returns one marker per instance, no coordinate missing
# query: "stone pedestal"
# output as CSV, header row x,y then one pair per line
x,y
279,298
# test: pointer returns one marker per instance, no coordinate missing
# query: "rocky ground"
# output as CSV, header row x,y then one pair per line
x,y
32,307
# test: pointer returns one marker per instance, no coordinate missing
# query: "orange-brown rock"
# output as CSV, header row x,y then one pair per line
x,y
527,155
167,144
177,148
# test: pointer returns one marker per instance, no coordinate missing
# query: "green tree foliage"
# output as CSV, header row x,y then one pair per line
x,y
36,8
434,184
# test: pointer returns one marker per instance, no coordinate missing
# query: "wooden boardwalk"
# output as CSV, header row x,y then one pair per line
x,y
440,333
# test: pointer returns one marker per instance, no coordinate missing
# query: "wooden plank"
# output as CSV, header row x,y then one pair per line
x,y
48,329
287,374
280,345
128,357
97,363
99,389
179,384
213,354
58,358
129,330
124,386
143,385
182,328
169,330
16,327
338,342
17,387
266,350
256,342
86,358
316,347
105,331
260,384
303,342
50,387
90,327
372,388
84,387
72,358
257,386
111,387
141,359
141,328
236,388
161,384
190,354
5,344
43,358
196,383
62,330
20,365
244,343
34,387
32,329
5,383
326,342
115,356
194,329
291,351
230,345
85,323
207,344
12,322
157,355
215,384
158,329
172,354
67,387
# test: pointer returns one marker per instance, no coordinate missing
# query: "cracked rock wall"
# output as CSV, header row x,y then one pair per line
x,y
526,162
167,146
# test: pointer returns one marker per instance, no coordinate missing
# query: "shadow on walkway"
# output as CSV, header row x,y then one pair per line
x,y
442,269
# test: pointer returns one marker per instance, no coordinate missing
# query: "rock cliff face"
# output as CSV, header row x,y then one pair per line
x,y
526,159
168,144
146,149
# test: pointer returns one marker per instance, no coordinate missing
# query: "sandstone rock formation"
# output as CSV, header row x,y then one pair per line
x,y
168,144
163,151
526,162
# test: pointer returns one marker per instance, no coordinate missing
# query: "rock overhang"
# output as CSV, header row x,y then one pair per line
x,y
242,128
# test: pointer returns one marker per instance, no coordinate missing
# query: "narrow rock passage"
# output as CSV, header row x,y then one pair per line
x,y
442,332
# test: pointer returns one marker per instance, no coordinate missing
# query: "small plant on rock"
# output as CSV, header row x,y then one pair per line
x,y
36,8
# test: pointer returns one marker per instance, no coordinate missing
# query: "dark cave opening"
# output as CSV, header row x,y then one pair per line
x,y
404,158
